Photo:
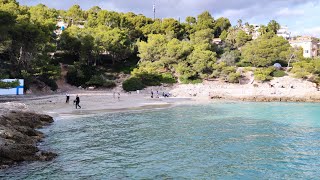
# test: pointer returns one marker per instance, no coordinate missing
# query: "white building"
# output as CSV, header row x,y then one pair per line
x,y
61,27
217,41
309,44
62,24
284,32
254,31
13,91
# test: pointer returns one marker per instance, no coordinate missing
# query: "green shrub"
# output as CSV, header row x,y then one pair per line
x,y
230,57
168,78
75,77
302,75
79,75
315,79
49,82
65,58
227,70
303,69
233,77
132,84
247,69
222,70
52,84
109,84
190,81
244,64
263,74
215,74
99,81
149,79
278,73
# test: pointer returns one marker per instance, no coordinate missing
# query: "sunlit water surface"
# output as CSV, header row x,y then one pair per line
x,y
210,141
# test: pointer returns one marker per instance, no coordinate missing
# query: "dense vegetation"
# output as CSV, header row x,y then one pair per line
x,y
98,43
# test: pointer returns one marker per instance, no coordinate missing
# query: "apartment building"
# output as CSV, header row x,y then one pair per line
x,y
284,32
309,44
254,31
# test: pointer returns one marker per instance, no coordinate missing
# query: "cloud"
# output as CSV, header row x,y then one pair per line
x,y
315,31
287,12
176,7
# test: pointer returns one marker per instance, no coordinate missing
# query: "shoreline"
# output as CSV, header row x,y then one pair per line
x,y
95,102
284,89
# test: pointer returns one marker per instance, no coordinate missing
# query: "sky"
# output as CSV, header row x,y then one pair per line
x,y
300,16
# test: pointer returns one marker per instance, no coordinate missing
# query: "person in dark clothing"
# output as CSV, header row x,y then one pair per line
x,y
151,94
67,98
77,102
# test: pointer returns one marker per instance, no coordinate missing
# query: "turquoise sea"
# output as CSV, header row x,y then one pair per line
x,y
210,141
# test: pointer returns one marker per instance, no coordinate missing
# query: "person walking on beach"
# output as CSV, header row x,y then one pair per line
x,y
77,102
67,98
118,96
151,94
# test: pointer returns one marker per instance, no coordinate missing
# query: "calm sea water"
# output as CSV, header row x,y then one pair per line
x,y
212,141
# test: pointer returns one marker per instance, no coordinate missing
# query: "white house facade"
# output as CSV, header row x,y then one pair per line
x,y
309,44
284,32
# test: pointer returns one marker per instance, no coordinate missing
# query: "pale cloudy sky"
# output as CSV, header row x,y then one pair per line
x,y
301,16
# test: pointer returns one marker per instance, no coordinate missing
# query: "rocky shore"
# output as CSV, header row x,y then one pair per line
x,y
18,135
284,89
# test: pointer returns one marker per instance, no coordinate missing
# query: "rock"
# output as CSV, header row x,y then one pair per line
x,y
46,156
19,152
19,137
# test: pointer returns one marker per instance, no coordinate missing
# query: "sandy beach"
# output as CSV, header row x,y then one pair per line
x,y
95,101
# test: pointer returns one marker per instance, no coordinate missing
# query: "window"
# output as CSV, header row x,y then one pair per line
x,y
306,51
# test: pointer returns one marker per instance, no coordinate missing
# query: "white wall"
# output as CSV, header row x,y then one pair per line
x,y
307,48
13,91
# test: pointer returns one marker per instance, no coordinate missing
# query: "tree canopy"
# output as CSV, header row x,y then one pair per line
x,y
97,41
266,50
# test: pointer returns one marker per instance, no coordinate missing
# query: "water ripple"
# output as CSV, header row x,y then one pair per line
x,y
213,141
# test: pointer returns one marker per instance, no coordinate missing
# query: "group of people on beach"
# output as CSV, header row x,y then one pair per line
x,y
75,102
118,95
164,94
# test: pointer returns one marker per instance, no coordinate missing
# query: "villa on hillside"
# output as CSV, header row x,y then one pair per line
x,y
284,32
254,31
309,44
61,26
